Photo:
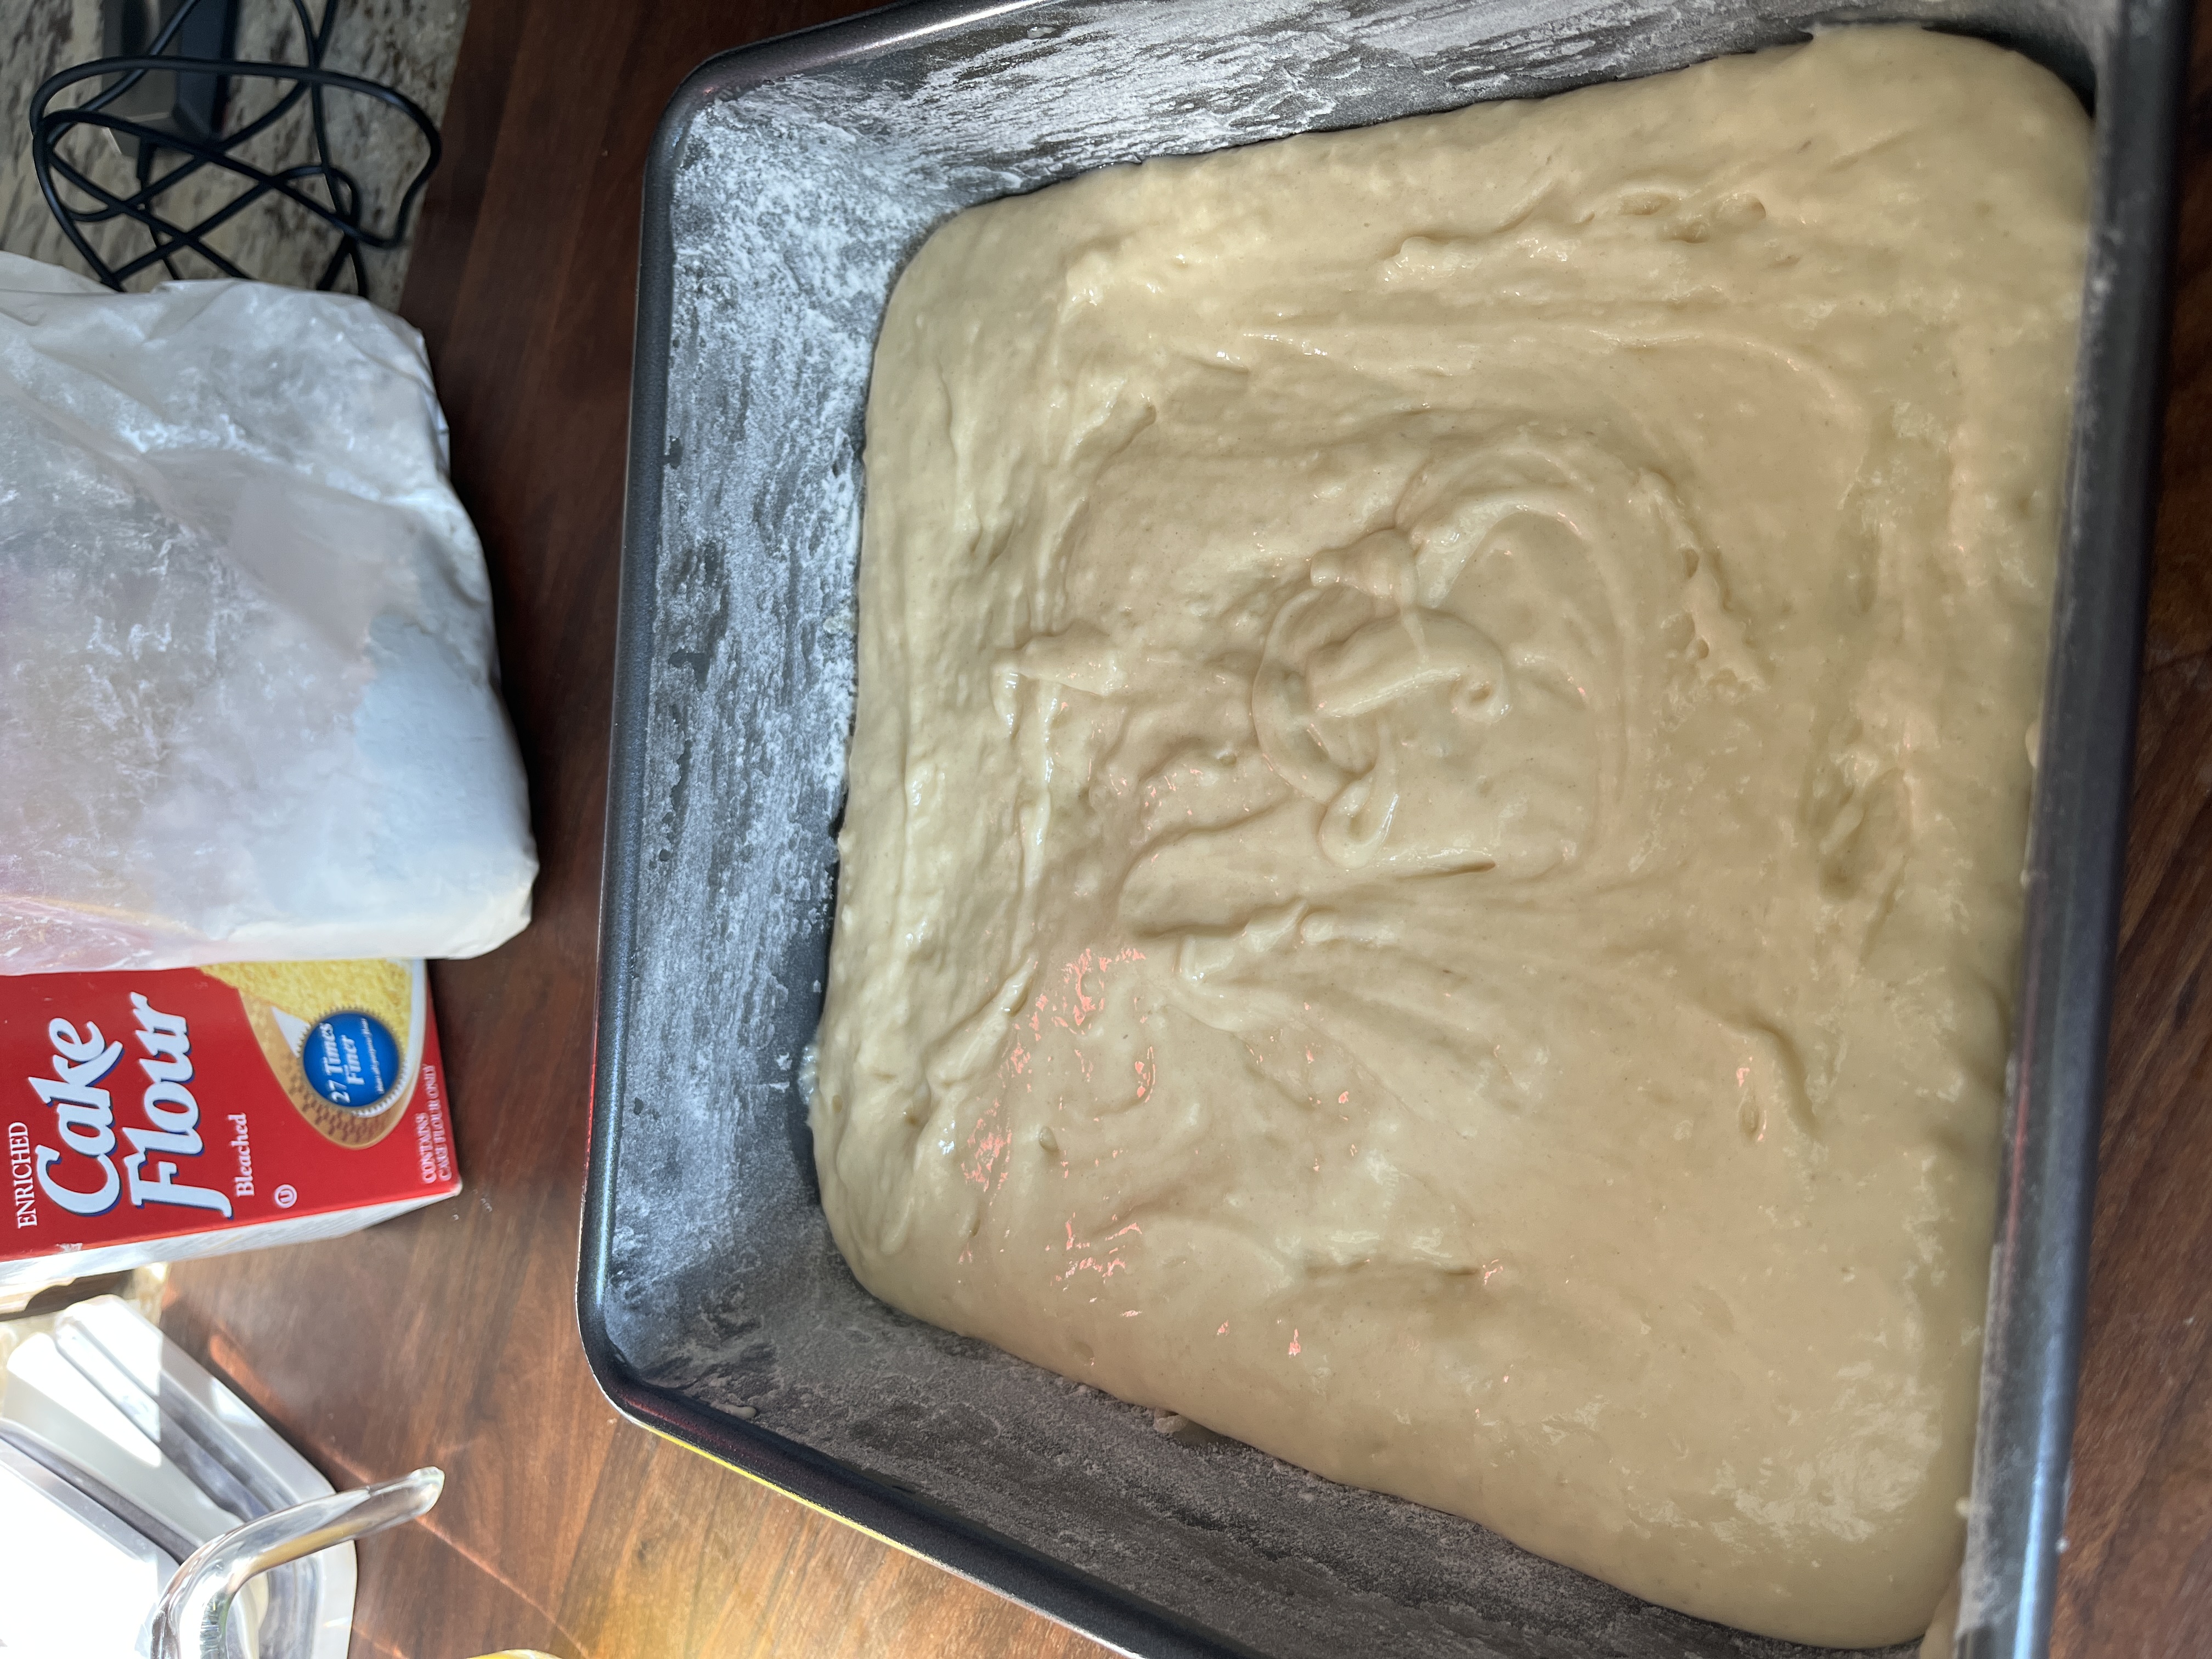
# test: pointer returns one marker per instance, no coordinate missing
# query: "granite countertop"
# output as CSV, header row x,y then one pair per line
x,y
409,44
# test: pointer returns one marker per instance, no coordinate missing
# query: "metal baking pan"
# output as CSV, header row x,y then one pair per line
x,y
788,182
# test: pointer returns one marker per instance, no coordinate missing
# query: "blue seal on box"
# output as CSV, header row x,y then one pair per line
x,y
351,1060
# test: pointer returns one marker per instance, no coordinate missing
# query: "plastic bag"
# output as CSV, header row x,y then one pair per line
x,y
248,703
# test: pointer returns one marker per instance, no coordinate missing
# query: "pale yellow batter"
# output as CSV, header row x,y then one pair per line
x,y
1443,756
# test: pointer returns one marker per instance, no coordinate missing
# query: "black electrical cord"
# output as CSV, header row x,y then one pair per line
x,y
309,80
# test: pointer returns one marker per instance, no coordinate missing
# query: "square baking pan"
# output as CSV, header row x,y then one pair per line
x,y
788,184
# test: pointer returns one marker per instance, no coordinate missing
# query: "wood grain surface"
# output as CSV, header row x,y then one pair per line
x,y
449,1336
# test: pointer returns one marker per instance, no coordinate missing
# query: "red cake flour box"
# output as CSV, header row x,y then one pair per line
x,y
154,1116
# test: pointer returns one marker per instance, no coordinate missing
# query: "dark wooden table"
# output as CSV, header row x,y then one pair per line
x,y
449,1336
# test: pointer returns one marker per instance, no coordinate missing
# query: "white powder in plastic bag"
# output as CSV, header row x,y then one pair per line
x,y
248,695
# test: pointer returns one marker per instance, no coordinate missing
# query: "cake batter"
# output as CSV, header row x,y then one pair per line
x,y
1431,876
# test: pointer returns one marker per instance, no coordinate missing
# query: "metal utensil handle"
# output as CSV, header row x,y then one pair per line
x,y
195,1610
